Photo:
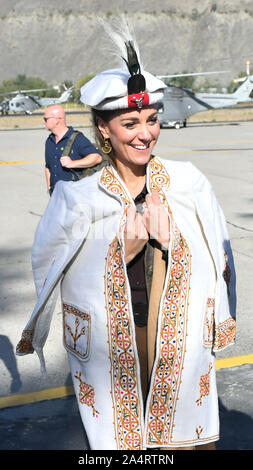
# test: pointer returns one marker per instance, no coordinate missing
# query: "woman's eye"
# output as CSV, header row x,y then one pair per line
x,y
154,120
129,125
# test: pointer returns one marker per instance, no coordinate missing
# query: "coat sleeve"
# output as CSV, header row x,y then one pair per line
x,y
54,236
215,229
49,241
50,237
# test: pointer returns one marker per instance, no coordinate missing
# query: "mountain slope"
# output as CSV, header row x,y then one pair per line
x,y
61,40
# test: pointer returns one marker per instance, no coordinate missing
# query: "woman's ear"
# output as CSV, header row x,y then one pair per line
x,y
103,128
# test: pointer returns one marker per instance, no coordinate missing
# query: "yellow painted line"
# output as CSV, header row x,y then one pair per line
x,y
65,391
13,163
18,162
234,361
49,394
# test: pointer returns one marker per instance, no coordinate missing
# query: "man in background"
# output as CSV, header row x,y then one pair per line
x,y
83,153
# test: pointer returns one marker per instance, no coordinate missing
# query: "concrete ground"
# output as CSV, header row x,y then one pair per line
x,y
37,414
56,424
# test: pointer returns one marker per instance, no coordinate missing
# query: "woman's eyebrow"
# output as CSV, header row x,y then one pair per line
x,y
136,119
153,114
130,119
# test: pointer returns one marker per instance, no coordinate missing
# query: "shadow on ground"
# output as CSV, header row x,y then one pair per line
x,y
56,425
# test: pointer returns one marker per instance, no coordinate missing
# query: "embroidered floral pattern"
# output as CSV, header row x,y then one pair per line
x,y
199,430
25,344
173,330
208,330
76,330
204,385
159,178
112,184
86,394
125,390
224,334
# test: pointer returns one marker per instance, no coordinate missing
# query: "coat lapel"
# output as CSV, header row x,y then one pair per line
x,y
125,370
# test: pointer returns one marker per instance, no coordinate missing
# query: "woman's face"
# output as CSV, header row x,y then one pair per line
x,y
133,134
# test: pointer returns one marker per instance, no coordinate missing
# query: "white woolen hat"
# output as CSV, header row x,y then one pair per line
x,y
109,90
127,87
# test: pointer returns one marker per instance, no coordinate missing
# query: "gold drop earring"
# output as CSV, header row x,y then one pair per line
x,y
107,148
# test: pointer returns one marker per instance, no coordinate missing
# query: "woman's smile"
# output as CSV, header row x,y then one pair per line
x,y
141,147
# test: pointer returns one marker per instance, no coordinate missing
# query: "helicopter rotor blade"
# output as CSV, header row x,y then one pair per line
x,y
192,74
16,92
33,90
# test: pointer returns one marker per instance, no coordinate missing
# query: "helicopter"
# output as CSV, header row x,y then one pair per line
x,y
181,103
25,102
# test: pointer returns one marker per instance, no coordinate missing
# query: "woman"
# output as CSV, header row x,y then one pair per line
x,y
142,255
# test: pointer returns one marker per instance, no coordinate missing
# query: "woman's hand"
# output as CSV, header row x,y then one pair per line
x,y
153,222
157,220
136,234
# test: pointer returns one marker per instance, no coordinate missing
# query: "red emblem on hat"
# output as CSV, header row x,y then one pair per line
x,y
138,100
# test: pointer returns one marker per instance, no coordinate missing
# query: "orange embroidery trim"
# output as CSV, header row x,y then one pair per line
x,y
112,184
25,344
172,339
125,390
224,334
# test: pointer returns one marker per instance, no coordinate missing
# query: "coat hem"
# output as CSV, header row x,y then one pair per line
x,y
188,443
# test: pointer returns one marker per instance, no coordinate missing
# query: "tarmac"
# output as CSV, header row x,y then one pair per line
x,y
37,414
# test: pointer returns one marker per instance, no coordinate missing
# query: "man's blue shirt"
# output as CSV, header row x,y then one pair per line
x,y
53,152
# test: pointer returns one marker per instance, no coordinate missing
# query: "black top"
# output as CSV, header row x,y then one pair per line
x,y
136,276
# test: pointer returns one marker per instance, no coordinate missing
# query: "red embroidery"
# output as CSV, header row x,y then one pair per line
x,y
25,344
86,394
204,385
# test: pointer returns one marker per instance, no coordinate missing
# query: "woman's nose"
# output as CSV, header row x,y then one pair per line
x,y
144,132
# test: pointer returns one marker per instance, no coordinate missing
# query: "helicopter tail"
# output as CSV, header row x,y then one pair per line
x,y
243,92
62,99
65,95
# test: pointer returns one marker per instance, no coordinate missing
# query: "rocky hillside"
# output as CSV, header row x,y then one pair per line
x,y
60,40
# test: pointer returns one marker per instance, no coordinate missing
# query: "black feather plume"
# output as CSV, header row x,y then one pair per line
x,y
132,59
136,82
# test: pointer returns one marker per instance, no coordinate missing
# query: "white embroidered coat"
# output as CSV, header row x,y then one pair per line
x,y
79,245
